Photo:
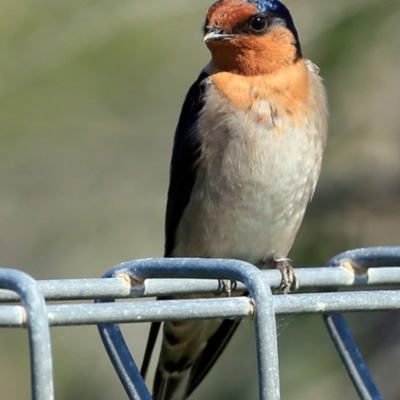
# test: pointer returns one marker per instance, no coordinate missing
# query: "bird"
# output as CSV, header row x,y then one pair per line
x,y
246,158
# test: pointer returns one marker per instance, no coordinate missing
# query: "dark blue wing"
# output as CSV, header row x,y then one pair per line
x,y
187,147
183,174
184,156
182,177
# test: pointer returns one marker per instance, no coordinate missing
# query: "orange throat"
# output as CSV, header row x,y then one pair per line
x,y
254,55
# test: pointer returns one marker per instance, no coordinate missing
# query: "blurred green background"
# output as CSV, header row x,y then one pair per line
x,y
90,93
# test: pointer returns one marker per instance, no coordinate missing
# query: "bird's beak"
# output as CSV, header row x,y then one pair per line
x,y
215,34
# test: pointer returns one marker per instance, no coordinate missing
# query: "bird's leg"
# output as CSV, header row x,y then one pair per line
x,y
290,282
226,286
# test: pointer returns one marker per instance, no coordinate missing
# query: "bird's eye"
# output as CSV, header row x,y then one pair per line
x,y
258,23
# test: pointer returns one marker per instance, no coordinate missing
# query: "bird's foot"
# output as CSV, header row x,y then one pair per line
x,y
290,282
226,286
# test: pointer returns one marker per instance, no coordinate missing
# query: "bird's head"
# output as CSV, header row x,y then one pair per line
x,y
251,37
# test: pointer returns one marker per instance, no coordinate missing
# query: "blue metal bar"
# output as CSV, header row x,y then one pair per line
x,y
386,256
267,349
147,311
87,289
223,307
76,289
351,357
38,331
123,362
157,277
359,260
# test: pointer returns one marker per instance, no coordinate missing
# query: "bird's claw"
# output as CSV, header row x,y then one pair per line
x,y
226,286
290,282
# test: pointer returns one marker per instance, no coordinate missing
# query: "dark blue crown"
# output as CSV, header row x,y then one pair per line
x,y
278,9
269,5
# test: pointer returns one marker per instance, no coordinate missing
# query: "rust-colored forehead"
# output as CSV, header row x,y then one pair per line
x,y
225,14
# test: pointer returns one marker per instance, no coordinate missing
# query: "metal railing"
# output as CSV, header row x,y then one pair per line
x,y
176,276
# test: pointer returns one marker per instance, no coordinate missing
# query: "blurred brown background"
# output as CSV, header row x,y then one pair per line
x,y
90,93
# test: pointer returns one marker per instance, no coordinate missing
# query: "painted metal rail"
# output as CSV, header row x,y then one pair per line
x,y
360,270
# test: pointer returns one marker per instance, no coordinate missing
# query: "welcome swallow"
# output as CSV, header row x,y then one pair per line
x,y
246,159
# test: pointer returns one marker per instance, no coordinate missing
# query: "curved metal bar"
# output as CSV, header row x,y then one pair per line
x,y
385,256
38,330
337,327
267,349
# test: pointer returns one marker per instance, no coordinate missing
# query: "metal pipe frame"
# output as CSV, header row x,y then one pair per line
x,y
33,315
249,275
119,288
359,262
232,307
160,277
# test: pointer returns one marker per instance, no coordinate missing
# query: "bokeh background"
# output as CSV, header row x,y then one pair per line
x,y
90,93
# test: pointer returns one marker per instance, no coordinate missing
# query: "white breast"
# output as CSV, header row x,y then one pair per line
x,y
253,182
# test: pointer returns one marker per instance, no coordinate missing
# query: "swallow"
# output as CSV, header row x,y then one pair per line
x,y
246,159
